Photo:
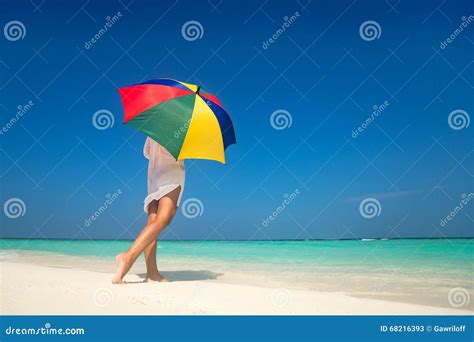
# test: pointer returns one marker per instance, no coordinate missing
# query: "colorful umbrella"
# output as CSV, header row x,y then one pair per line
x,y
186,120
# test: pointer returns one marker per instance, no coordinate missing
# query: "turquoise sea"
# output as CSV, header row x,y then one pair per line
x,y
423,254
409,270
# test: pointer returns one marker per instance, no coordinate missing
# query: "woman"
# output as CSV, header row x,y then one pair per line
x,y
165,186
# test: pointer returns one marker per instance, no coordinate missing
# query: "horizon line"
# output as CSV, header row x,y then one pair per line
x,y
259,240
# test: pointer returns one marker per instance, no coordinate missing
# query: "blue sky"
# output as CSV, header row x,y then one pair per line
x,y
319,70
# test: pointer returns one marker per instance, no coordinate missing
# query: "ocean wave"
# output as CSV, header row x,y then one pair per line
x,y
4,255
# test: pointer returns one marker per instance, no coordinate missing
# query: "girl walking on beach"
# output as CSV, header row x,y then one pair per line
x,y
188,122
165,186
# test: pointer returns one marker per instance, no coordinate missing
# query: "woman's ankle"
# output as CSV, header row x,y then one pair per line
x,y
152,272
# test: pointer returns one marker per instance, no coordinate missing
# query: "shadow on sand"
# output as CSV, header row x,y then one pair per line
x,y
187,275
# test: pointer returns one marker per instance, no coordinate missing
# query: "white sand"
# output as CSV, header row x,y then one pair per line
x,y
34,289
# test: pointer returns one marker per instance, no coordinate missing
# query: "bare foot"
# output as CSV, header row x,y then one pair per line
x,y
121,264
156,276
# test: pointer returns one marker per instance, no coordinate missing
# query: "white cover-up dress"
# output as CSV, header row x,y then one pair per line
x,y
164,172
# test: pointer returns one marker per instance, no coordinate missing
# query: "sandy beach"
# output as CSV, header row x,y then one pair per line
x,y
54,290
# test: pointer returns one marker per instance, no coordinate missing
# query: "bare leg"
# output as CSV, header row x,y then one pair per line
x,y
164,215
152,272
